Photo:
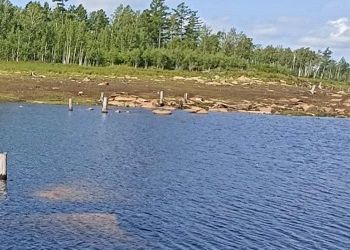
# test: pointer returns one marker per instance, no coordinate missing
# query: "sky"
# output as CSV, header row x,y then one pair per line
x,y
291,23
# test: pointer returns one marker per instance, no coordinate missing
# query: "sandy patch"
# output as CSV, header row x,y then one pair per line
x,y
68,193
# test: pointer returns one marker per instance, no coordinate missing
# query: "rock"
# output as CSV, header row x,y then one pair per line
x,y
243,106
219,110
193,109
306,107
162,112
347,103
169,108
55,88
148,105
340,111
313,90
337,95
198,99
125,99
336,100
202,112
176,78
86,79
328,110
295,101
90,109
265,110
116,103
103,84
80,93
219,105
213,83
172,103
244,79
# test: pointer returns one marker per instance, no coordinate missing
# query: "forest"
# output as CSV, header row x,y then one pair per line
x,y
158,37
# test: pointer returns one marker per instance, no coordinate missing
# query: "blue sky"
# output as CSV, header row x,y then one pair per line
x,y
310,23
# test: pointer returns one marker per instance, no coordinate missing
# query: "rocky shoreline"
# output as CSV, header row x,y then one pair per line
x,y
292,96
338,106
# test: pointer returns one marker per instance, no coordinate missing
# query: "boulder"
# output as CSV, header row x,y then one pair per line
x,y
125,99
197,99
336,100
306,107
340,111
219,105
295,101
147,105
193,109
327,110
202,112
219,110
265,110
347,103
213,83
161,112
103,84
244,79
243,106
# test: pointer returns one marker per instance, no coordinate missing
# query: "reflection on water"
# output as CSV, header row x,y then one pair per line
x,y
3,189
82,180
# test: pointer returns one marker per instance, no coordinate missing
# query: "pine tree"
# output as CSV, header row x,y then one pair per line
x,y
60,3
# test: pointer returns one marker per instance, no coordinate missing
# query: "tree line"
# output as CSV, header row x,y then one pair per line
x,y
158,37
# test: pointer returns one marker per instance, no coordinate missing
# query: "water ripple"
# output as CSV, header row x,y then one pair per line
x,y
136,181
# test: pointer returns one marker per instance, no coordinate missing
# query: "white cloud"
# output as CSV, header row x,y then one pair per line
x,y
334,34
279,28
222,23
265,30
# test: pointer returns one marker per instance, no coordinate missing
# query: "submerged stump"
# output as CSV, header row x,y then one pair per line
x,y
186,97
105,105
3,166
70,104
161,98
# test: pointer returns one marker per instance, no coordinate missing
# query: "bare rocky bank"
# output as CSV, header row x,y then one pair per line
x,y
216,94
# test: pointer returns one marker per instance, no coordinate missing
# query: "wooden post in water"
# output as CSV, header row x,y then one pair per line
x,y
105,105
3,166
186,97
102,96
70,104
161,98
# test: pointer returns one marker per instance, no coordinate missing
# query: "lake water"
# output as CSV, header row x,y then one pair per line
x,y
84,180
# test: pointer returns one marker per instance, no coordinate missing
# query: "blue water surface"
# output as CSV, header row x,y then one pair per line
x,y
83,180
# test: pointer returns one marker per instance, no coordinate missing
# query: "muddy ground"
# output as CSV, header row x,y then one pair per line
x,y
242,94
